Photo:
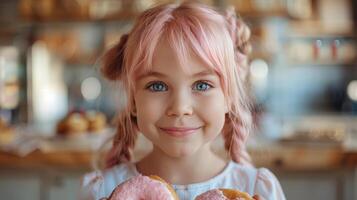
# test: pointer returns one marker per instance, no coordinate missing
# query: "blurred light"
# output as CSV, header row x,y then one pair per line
x,y
352,90
2,61
2,68
259,69
49,101
91,88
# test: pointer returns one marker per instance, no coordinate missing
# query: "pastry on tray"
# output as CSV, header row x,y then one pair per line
x,y
77,123
7,134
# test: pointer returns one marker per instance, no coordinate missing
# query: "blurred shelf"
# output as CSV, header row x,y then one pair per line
x,y
83,62
52,11
316,29
262,15
127,16
323,36
324,64
259,9
72,24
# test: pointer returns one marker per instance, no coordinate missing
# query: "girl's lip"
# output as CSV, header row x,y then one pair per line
x,y
179,131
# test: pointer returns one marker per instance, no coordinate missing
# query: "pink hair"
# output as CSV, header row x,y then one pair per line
x,y
219,40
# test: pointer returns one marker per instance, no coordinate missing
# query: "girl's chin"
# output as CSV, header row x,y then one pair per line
x,y
179,152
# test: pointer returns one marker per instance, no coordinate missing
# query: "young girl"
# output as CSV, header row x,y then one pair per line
x,y
183,68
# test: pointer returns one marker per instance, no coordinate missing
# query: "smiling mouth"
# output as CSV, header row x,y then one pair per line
x,y
179,131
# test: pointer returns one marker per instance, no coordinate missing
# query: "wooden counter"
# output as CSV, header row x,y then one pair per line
x,y
37,159
277,157
297,157
349,159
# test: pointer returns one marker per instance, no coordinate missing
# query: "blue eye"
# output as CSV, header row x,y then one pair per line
x,y
157,87
201,86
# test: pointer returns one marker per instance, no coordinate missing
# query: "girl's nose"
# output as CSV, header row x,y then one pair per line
x,y
180,104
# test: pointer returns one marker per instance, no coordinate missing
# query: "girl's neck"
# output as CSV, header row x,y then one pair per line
x,y
195,168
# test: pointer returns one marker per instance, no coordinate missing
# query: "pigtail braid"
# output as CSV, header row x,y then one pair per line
x,y
239,119
240,34
126,133
123,142
235,135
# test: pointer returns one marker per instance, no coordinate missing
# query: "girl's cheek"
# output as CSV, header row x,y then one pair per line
x,y
211,102
154,102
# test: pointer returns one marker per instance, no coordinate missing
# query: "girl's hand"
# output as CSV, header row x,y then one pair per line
x,y
257,197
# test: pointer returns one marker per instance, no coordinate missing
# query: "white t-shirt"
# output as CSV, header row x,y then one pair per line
x,y
97,185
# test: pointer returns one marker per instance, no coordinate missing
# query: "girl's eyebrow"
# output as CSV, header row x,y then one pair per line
x,y
151,73
204,73
160,75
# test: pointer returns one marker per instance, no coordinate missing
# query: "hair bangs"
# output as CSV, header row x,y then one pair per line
x,y
201,36
188,34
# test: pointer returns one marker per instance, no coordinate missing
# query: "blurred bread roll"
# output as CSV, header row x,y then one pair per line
x,y
73,124
97,121
7,134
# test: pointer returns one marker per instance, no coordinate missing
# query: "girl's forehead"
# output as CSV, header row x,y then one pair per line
x,y
164,54
166,58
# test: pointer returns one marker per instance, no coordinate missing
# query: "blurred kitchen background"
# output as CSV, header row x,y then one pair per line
x,y
56,110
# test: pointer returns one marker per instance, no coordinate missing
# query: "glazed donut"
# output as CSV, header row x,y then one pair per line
x,y
144,187
224,194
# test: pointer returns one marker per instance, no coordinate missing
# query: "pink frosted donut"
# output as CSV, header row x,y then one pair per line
x,y
223,194
143,187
